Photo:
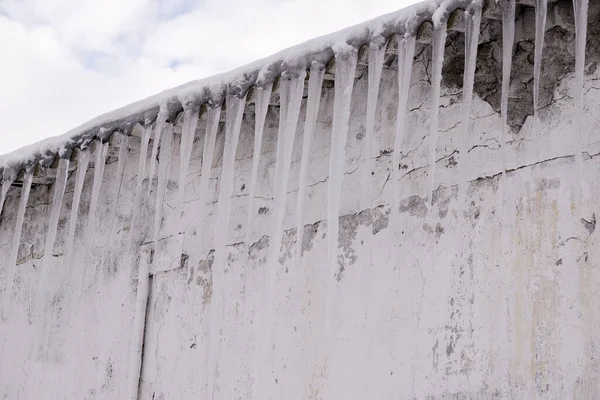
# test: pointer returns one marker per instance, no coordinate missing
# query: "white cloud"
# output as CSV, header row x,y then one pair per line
x,y
67,61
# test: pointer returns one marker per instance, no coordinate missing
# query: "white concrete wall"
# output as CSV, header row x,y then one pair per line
x,y
500,302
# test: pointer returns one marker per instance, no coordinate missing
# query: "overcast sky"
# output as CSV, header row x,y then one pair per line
x,y
62,62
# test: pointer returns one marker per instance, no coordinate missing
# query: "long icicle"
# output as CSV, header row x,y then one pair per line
x,y
190,122
261,342
292,88
46,274
208,154
439,44
263,97
344,83
235,111
166,142
581,18
508,40
100,152
315,85
82,167
376,58
14,252
541,10
406,54
345,71
472,25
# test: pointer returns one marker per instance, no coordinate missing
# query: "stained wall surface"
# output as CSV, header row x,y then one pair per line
x,y
495,296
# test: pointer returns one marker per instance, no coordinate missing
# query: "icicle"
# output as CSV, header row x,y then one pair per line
x,y
235,112
581,18
508,39
406,54
59,191
344,83
190,121
101,150
60,185
82,166
6,183
439,43
376,58
292,88
315,84
121,165
263,96
541,9
140,181
14,252
160,122
163,176
472,24
208,153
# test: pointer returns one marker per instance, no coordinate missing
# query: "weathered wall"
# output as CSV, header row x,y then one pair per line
x,y
499,302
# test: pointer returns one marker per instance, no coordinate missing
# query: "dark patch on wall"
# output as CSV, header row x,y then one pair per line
x,y
415,206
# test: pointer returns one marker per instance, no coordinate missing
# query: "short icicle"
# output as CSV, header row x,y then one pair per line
x,y
141,175
292,87
263,97
541,10
190,121
166,142
121,165
315,85
581,18
82,166
160,122
406,54
376,58
59,191
100,163
439,44
14,252
7,181
235,111
472,25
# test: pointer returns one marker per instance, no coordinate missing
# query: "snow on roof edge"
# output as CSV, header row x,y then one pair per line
x,y
212,89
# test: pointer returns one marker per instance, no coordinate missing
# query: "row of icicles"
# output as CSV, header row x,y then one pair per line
x,y
291,92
